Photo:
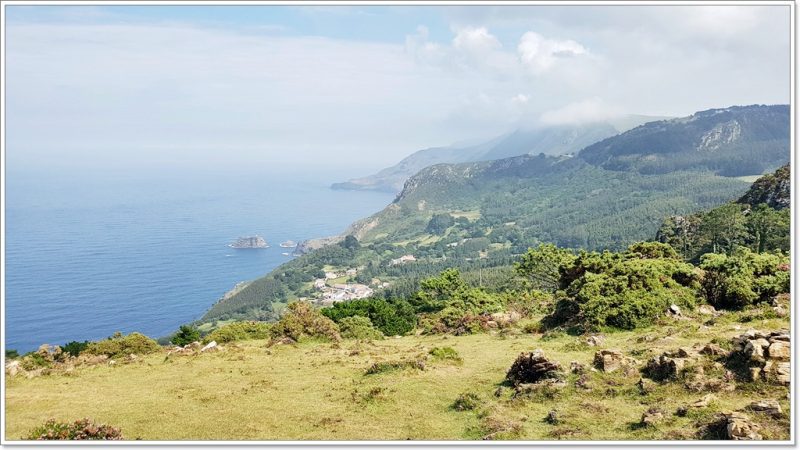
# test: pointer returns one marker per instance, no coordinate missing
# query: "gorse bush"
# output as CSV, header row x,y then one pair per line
x,y
239,331
302,321
74,348
744,278
358,327
623,290
82,429
119,346
186,335
392,318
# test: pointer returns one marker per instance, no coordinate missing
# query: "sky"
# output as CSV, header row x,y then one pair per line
x,y
335,86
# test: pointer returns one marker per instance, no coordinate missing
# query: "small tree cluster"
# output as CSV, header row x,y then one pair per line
x,y
239,331
744,278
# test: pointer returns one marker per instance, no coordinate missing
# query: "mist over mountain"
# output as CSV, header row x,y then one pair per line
x,y
553,139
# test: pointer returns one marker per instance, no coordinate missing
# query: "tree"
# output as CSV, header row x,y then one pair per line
x,y
768,229
724,227
540,266
351,243
439,223
186,335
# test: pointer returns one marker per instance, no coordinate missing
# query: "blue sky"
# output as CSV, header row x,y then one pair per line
x,y
178,85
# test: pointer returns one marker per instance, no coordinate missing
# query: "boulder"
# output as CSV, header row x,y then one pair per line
x,y
778,350
576,367
665,367
532,367
771,407
210,347
595,340
712,349
705,401
707,310
612,359
13,368
652,416
741,428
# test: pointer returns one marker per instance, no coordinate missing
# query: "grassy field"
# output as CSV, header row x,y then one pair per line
x,y
319,391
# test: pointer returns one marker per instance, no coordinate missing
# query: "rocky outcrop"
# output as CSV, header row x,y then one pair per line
x,y
765,354
250,242
532,367
611,360
770,407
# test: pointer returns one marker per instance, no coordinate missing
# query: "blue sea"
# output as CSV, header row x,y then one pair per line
x,y
91,253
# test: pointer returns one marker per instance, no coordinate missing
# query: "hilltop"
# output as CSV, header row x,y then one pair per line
x,y
548,139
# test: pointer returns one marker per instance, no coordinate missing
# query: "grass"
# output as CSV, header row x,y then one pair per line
x,y
319,391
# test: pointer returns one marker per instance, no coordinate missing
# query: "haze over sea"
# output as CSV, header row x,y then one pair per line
x,y
88,254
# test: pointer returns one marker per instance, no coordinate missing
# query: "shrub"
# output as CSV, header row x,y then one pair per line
x,y
445,354
239,331
302,321
74,348
186,335
118,345
623,290
35,360
529,303
12,354
390,317
466,402
743,278
82,429
358,327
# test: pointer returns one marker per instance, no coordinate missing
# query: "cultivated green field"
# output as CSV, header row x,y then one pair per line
x,y
319,391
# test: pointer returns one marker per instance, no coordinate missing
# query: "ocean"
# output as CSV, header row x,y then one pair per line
x,y
89,254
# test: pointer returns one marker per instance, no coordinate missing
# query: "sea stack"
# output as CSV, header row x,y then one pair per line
x,y
250,242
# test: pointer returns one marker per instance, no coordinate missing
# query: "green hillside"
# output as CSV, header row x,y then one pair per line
x,y
500,208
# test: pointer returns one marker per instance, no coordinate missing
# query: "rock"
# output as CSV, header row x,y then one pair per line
x,y
527,389
779,372
771,407
193,346
664,367
583,383
707,310
505,319
611,360
780,311
492,324
531,368
755,373
778,350
596,340
682,411
210,347
740,428
685,352
552,417
712,349
13,368
645,386
576,367
705,401
674,309
652,416
754,350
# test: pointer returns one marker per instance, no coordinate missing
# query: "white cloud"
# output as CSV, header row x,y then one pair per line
x,y
584,111
476,41
539,54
